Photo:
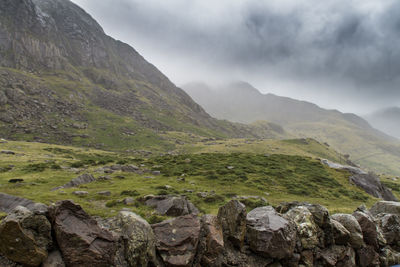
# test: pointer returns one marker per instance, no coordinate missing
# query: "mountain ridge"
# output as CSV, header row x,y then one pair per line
x,y
56,54
346,132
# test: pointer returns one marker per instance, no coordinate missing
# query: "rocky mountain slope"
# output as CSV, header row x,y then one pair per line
x,y
63,80
386,120
347,133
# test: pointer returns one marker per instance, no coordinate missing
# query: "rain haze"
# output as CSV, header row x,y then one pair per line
x,y
340,54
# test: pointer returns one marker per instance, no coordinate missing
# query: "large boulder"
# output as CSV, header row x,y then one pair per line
x,y
232,218
352,225
25,237
137,238
390,207
81,240
307,230
171,205
177,240
269,234
390,227
211,244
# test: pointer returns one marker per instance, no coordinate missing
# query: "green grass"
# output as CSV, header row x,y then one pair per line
x,y
277,177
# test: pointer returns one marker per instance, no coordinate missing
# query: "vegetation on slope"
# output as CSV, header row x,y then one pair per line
x,y
277,177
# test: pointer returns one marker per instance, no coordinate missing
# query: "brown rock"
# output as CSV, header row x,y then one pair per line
x,y
232,218
82,242
177,240
211,244
367,256
25,237
339,256
368,228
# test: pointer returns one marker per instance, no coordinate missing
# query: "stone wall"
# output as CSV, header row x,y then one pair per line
x,y
292,234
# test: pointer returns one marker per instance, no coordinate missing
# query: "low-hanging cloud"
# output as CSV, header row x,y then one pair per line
x,y
339,53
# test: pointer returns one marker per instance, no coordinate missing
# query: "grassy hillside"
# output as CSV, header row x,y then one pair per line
x,y
346,133
64,81
277,176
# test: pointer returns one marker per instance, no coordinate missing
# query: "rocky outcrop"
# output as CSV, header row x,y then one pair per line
x,y
171,205
25,237
81,240
369,182
177,240
293,234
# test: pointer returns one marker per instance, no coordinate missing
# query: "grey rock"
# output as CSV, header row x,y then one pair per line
x,y
82,179
129,168
80,193
104,193
9,202
171,205
270,234
389,224
386,207
352,225
128,201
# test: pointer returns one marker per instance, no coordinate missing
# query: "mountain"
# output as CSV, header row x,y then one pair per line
x,y
63,80
348,133
387,120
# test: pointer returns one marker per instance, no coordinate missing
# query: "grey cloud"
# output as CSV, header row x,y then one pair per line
x,y
336,48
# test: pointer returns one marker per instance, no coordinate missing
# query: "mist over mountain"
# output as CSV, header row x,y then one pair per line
x,y
346,132
63,80
386,120
338,54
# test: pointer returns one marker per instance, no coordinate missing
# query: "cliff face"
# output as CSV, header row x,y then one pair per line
x,y
59,69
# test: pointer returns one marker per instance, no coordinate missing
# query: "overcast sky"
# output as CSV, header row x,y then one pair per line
x,y
342,54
